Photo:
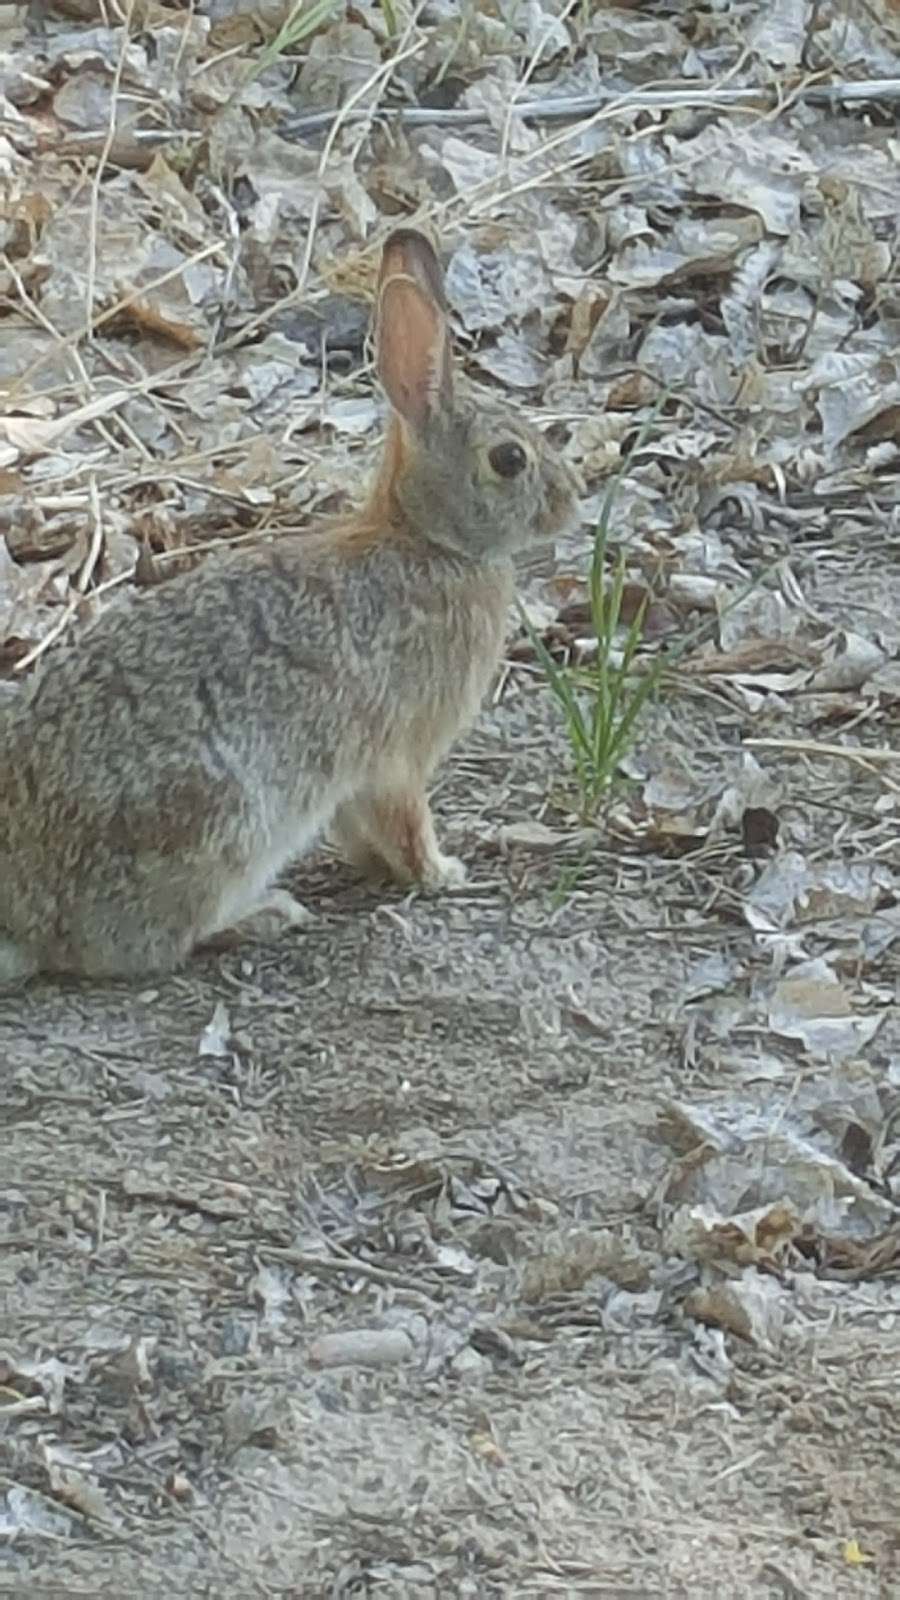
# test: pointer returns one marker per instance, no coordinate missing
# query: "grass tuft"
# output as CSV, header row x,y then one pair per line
x,y
302,20
602,701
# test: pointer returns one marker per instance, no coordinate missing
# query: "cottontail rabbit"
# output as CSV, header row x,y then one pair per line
x,y
154,781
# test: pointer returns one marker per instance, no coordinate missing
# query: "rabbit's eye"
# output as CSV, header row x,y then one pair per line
x,y
508,459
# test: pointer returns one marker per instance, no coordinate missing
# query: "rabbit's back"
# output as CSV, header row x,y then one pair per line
x,y
264,657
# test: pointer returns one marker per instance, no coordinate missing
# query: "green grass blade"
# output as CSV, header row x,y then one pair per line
x,y
601,704
304,19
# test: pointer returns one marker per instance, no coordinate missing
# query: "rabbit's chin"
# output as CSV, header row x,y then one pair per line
x,y
487,551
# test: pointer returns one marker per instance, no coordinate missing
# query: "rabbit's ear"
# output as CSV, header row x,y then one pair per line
x,y
414,357
409,254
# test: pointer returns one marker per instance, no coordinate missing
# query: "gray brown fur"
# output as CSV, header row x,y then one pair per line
x,y
154,781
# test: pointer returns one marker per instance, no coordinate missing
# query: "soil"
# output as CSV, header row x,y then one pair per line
x,y
463,1095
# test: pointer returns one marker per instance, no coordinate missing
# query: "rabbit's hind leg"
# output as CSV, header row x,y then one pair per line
x,y
161,907
17,963
264,919
105,928
157,934
128,940
138,916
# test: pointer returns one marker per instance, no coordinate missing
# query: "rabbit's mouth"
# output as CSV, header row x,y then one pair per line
x,y
563,489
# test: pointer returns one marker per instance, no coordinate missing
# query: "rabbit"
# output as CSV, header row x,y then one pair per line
x,y
156,779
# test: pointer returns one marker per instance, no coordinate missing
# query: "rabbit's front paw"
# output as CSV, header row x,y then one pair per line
x,y
444,872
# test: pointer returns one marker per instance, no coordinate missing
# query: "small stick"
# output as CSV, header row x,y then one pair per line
x,y
585,105
334,1266
878,755
81,583
97,181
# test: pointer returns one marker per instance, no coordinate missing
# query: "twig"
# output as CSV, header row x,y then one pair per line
x,y
485,197
336,120
94,214
702,97
90,141
330,1266
156,380
527,77
38,314
81,583
878,755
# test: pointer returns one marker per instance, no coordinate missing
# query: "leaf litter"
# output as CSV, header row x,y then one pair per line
x,y
459,1206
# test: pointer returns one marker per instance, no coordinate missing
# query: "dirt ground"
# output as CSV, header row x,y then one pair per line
x,y
465,1097
540,1238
